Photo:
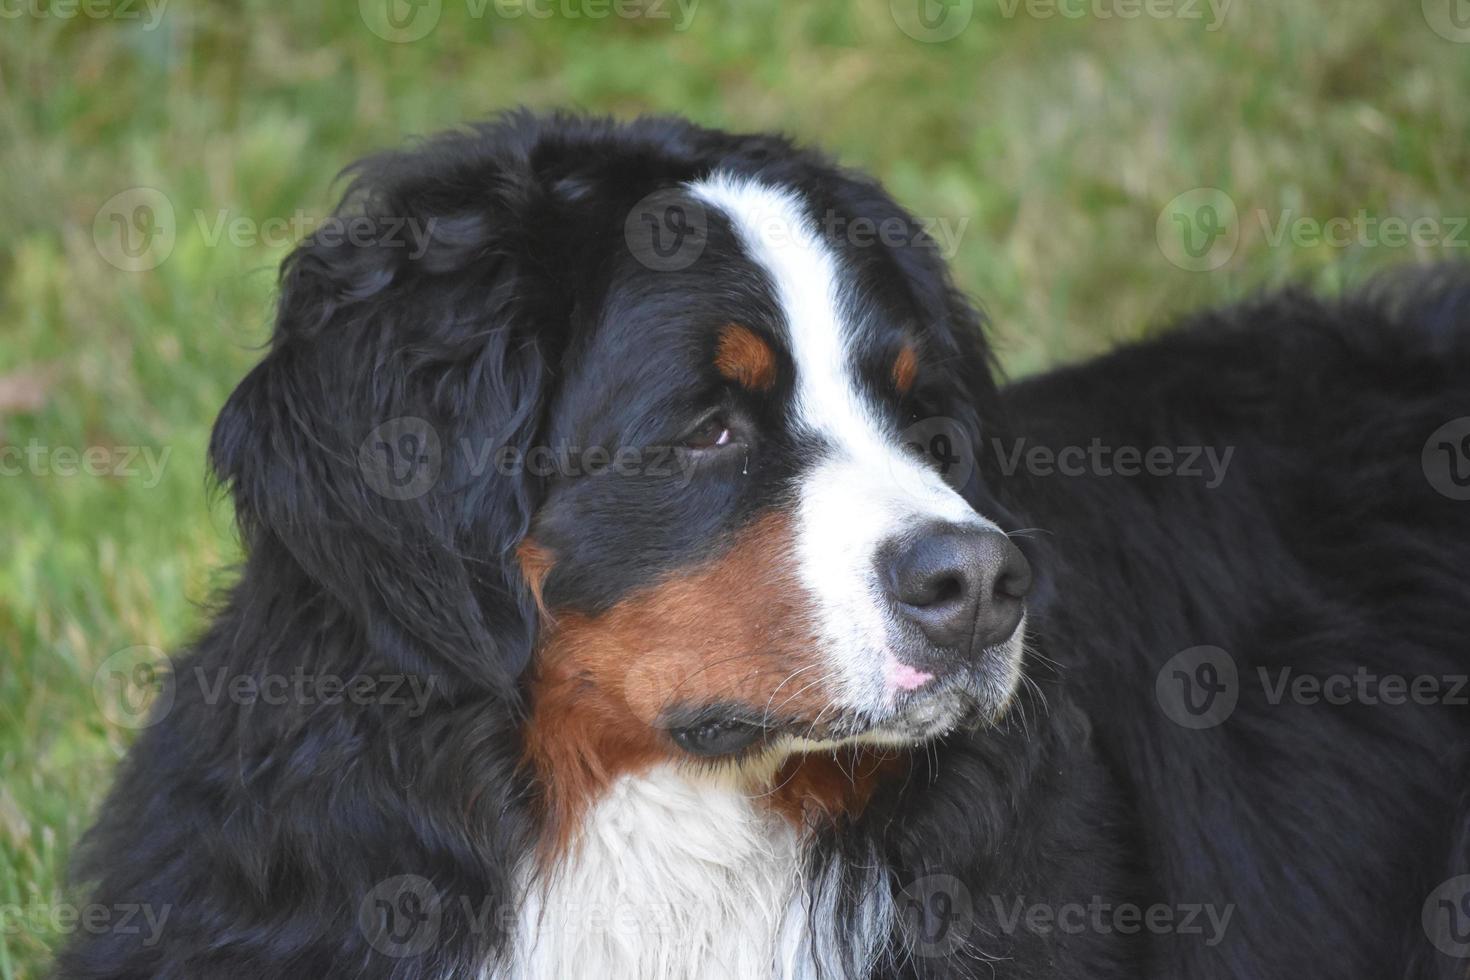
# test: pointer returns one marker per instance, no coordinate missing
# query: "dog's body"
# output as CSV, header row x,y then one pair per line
x,y
1144,794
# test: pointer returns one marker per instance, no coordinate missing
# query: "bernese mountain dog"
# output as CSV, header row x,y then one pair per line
x,y
755,630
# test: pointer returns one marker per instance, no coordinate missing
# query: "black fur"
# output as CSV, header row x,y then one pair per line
x,y
500,306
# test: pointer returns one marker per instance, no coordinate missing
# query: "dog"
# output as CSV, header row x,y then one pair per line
x,y
670,589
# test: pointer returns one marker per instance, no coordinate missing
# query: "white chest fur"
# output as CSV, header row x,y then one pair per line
x,y
676,876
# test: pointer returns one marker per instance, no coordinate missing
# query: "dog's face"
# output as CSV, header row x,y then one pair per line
x,y
760,558
715,540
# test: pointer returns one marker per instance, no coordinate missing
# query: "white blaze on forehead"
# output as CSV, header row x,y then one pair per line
x,y
864,489
778,236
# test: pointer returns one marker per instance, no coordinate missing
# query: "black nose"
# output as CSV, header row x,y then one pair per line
x,y
963,587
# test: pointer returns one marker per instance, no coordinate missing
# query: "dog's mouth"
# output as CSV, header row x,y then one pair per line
x,y
971,699
967,701
972,696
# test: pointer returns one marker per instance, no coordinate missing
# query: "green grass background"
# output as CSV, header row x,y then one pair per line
x,y
1056,139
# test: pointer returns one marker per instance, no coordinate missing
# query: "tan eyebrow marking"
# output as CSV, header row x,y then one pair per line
x,y
745,358
905,369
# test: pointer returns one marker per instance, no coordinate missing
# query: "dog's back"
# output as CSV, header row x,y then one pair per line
x,y
1269,634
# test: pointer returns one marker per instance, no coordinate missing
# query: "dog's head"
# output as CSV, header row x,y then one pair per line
x,y
639,421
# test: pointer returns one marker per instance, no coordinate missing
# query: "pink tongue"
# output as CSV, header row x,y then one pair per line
x,y
904,677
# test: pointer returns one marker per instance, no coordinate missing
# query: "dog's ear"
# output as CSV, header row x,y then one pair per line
x,y
407,354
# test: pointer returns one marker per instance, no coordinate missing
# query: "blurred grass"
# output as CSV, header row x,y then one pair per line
x,y
1052,142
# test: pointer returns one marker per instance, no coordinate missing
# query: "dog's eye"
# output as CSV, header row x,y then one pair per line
x,y
711,433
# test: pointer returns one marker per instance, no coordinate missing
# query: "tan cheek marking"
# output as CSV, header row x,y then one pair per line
x,y
745,358
735,630
813,789
905,369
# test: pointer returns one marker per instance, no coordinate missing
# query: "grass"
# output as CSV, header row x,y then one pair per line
x,y
1051,143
